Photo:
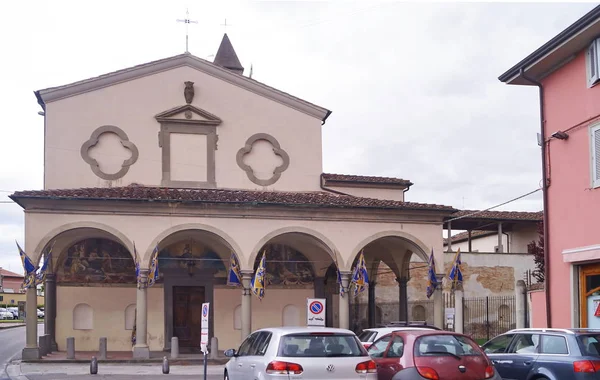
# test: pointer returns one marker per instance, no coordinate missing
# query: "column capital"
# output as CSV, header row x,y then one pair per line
x,y
143,279
402,281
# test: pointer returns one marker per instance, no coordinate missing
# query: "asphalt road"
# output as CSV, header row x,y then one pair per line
x,y
12,342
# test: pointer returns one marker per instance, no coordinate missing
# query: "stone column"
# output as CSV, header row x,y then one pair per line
x,y
319,287
520,308
50,309
372,312
345,301
246,304
500,248
31,350
438,303
449,237
402,299
458,311
141,349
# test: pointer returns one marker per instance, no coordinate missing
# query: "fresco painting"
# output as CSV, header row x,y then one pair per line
x,y
96,261
186,254
286,266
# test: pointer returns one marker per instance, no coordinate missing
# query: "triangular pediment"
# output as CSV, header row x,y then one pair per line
x,y
61,92
188,114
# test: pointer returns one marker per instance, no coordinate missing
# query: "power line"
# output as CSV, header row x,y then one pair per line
x,y
501,204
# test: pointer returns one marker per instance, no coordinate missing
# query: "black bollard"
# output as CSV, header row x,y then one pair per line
x,y
94,366
165,365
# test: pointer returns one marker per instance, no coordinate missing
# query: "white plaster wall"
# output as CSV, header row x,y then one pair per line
x,y
389,194
132,106
516,241
108,304
265,313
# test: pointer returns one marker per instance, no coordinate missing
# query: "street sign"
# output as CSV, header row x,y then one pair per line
x,y
315,312
204,328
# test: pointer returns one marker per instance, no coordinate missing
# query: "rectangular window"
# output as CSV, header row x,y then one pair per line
x,y
592,62
319,345
554,345
595,155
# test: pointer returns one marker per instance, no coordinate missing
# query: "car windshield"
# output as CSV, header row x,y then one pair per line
x,y
366,336
318,345
446,344
589,344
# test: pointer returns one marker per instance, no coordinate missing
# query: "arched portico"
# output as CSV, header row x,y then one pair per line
x,y
395,249
207,231
86,254
297,235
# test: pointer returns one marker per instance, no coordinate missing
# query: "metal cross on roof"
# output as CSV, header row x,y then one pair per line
x,y
187,22
224,25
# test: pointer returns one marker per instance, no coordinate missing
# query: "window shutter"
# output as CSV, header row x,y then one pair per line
x,y
596,156
592,63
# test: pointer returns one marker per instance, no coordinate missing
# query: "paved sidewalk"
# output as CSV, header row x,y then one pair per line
x,y
18,370
10,325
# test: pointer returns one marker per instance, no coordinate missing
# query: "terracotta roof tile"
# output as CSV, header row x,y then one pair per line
x,y
8,273
499,215
222,196
365,179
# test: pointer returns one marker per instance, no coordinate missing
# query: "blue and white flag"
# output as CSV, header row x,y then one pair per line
x,y
432,282
153,275
258,281
456,276
30,269
339,279
41,276
360,277
234,277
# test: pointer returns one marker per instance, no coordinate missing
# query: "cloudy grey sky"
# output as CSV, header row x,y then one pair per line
x,y
413,86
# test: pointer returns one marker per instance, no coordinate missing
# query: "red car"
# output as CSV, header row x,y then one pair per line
x,y
430,354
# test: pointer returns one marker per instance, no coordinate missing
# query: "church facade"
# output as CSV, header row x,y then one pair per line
x,y
196,160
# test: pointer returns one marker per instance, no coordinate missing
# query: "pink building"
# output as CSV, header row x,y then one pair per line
x,y
567,71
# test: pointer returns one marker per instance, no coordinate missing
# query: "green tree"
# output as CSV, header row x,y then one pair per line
x,y
537,250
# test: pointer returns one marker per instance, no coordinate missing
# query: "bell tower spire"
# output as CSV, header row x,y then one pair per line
x,y
227,58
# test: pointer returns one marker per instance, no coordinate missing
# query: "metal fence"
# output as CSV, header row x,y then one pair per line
x,y
483,317
486,317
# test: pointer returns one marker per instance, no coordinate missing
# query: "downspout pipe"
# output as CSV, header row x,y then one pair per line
x,y
545,185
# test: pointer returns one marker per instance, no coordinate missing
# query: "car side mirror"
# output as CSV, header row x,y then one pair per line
x,y
230,353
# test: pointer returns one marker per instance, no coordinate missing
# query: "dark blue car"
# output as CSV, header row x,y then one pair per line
x,y
546,354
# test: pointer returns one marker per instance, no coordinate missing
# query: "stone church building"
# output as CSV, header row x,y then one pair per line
x,y
200,161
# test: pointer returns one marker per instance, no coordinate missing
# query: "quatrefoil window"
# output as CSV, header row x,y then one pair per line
x,y
276,150
123,139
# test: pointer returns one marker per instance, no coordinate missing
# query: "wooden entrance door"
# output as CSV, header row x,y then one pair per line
x,y
589,288
187,314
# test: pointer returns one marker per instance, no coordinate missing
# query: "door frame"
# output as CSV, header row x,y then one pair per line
x,y
172,278
584,271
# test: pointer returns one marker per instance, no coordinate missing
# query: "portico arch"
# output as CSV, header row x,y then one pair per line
x,y
220,234
420,247
318,239
69,233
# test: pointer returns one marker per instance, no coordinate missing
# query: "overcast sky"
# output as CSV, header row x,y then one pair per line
x,y
413,86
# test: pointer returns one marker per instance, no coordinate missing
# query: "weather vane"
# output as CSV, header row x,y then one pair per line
x,y
187,22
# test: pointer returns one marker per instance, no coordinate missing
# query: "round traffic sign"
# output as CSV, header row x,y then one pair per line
x,y
316,307
205,310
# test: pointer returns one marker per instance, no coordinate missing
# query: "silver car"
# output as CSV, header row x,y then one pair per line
x,y
309,353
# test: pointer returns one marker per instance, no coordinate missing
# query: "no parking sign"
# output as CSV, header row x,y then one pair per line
x,y
204,327
315,312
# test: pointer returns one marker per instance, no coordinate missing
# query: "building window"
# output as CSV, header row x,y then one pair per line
x,y
595,154
592,59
